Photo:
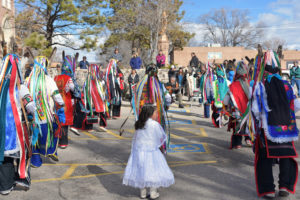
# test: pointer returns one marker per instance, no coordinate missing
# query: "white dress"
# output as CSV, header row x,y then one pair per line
x,y
147,166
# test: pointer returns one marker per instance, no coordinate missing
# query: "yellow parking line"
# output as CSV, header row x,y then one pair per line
x,y
193,163
67,176
130,130
176,136
70,171
113,134
189,130
203,132
205,145
123,138
194,122
90,135
47,180
102,164
83,138
93,175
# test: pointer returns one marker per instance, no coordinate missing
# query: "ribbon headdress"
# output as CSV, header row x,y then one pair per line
x,y
68,68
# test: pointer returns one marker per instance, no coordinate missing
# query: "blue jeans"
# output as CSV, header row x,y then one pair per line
x,y
298,86
293,82
206,110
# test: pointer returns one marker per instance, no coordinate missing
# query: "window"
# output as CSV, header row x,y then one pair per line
x,y
6,4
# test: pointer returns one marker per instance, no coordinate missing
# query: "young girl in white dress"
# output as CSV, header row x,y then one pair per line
x,y
147,166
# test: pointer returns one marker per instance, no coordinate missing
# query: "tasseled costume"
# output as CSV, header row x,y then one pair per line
x,y
151,91
272,123
17,109
114,84
220,88
49,112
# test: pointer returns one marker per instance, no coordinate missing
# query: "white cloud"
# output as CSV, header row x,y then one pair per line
x,y
282,20
198,29
91,56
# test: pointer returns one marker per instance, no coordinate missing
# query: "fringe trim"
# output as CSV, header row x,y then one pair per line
x,y
147,184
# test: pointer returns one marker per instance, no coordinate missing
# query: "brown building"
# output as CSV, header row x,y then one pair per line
x,y
183,57
7,30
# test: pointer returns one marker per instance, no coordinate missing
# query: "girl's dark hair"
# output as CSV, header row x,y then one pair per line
x,y
146,113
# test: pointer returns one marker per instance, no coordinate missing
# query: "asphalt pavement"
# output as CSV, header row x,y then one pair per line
x,y
204,167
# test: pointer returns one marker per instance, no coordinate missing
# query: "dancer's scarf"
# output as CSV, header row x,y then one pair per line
x,y
220,87
68,68
94,90
267,84
40,91
9,108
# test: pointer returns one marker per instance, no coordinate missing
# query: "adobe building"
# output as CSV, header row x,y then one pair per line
x,y
183,57
7,29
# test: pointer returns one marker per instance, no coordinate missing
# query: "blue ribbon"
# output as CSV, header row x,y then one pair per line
x,y
269,77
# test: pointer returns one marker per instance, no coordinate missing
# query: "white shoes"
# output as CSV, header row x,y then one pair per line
x,y
143,193
153,193
75,131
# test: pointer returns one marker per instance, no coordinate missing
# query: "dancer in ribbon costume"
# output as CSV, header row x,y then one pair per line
x,y
274,122
206,89
151,91
50,112
236,102
17,110
114,84
93,103
66,88
97,97
220,87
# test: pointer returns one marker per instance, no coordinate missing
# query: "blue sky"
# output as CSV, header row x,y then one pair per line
x,y
281,17
195,8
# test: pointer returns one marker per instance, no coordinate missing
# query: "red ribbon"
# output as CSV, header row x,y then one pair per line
x,y
13,77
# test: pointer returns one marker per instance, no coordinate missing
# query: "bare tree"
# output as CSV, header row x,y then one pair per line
x,y
230,28
273,43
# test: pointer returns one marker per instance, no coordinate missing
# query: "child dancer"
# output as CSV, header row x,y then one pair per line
x,y
147,167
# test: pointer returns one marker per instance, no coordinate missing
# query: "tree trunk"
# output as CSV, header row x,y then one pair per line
x,y
49,27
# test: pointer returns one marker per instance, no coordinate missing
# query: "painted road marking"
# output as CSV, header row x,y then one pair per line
x,y
176,136
179,111
115,135
193,131
70,171
187,148
184,121
72,168
90,135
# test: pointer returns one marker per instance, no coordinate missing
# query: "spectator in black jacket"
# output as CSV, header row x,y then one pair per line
x,y
133,78
194,61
